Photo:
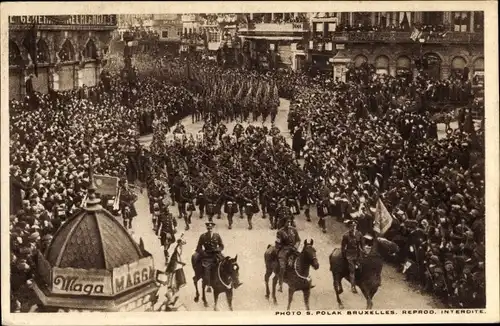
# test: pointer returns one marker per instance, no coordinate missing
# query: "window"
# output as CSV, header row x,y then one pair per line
x,y
478,21
460,21
14,54
42,52
432,18
164,34
67,52
90,51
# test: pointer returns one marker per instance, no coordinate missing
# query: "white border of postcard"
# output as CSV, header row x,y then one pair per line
x,y
490,314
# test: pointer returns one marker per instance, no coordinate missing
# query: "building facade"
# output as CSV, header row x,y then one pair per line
x,y
275,40
442,43
69,50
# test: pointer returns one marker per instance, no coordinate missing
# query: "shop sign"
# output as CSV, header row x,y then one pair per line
x,y
94,20
81,282
132,275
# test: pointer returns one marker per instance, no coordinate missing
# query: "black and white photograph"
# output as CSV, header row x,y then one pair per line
x,y
307,163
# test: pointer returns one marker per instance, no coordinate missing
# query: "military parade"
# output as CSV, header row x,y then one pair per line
x,y
271,180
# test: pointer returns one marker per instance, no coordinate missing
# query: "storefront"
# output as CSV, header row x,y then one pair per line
x,y
458,67
68,51
432,65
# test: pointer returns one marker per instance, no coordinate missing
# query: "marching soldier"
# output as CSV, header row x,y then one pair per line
x,y
167,228
186,204
230,205
212,199
250,197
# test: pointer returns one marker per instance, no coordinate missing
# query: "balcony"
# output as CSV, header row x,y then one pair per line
x,y
275,28
404,37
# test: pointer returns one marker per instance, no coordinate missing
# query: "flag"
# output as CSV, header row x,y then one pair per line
x,y
415,34
383,219
31,46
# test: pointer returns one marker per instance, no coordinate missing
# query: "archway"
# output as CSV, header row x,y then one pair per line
x,y
90,51
382,65
432,65
15,57
478,73
359,60
458,65
67,52
43,52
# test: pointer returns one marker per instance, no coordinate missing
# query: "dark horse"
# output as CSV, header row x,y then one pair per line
x,y
368,274
296,274
225,278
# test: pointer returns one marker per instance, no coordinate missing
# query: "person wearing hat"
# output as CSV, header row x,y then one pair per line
x,y
352,246
287,242
167,228
210,247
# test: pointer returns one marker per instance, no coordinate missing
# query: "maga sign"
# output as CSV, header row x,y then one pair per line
x,y
103,20
132,275
81,282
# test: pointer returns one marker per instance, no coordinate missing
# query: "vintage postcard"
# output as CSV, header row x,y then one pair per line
x,y
299,162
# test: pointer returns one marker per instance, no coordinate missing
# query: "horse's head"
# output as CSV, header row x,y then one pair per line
x,y
310,254
231,269
388,246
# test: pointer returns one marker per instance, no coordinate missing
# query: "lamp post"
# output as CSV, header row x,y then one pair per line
x,y
128,73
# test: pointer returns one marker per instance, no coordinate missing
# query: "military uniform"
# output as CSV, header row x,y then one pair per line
x,y
352,244
210,247
168,228
287,239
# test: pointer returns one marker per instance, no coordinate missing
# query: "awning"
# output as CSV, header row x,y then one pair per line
x,y
273,38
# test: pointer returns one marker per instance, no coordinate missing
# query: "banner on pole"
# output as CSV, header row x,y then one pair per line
x,y
383,219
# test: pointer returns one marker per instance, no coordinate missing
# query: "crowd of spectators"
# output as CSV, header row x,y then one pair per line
x,y
432,186
370,138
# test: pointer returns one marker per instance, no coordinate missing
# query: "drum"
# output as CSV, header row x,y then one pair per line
x,y
249,209
190,207
211,210
230,207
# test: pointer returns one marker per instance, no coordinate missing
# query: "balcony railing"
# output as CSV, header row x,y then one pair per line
x,y
275,27
402,37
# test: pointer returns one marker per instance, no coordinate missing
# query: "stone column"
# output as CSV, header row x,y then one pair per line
x,y
350,18
272,16
445,70
447,18
417,17
251,16
373,17
471,23
392,69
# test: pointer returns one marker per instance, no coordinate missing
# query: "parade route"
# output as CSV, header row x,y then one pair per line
x,y
250,245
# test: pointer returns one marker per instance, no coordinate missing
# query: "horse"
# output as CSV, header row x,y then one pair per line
x,y
225,278
367,276
296,274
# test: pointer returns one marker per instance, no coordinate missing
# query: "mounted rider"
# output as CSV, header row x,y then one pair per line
x,y
209,248
287,242
352,246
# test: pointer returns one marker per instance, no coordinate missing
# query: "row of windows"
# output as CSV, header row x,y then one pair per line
x,y
67,52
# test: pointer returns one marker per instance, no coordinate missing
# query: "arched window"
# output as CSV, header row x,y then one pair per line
x,y
432,65
14,54
359,60
458,65
90,51
478,74
382,65
67,52
403,65
43,53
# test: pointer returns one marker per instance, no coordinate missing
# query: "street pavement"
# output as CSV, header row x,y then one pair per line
x,y
250,246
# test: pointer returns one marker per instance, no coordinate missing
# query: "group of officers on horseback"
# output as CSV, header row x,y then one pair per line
x,y
210,247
